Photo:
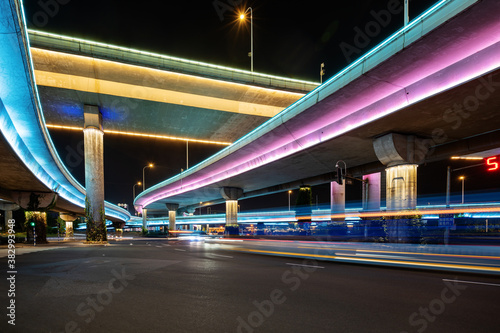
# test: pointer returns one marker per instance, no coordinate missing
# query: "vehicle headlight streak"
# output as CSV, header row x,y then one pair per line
x,y
442,74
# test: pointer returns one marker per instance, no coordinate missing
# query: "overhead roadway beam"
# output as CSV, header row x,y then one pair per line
x,y
25,144
333,122
124,55
468,146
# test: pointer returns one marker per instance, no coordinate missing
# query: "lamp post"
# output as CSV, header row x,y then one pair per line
x,y
150,165
406,13
462,178
242,17
289,192
448,176
133,189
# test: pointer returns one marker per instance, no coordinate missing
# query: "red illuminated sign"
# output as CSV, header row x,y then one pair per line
x,y
492,163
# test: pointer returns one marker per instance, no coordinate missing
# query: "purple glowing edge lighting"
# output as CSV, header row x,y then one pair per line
x,y
480,56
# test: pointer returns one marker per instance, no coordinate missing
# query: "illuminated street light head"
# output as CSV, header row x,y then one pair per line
x,y
150,165
139,183
461,177
242,17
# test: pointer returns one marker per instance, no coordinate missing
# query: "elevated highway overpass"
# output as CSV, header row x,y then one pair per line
x,y
136,92
141,92
31,172
427,92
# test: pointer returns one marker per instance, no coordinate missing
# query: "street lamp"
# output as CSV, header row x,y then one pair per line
x,y
150,165
242,17
289,192
462,178
133,189
450,170
406,13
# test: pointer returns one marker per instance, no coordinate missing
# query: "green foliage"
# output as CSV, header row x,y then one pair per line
x,y
96,230
304,198
61,225
40,220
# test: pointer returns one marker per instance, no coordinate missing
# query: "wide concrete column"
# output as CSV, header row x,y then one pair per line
x,y
401,187
401,154
337,198
8,208
172,214
371,191
68,218
94,174
231,195
8,216
144,219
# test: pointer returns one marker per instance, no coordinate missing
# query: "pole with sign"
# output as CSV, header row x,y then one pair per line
x,y
34,233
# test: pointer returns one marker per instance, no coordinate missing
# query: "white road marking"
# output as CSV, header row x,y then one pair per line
x,y
304,265
223,256
473,282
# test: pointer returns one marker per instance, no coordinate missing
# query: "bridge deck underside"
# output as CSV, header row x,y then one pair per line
x,y
432,118
443,86
64,107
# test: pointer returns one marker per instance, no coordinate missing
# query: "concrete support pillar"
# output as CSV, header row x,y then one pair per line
x,y
172,213
171,219
94,174
232,213
68,218
144,219
337,198
8,208
70,232
401,154
8,216
231,195
371,191
401,187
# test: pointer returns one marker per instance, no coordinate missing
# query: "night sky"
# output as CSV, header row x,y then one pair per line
x,y
291,39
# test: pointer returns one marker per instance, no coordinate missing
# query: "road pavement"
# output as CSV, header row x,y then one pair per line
x,y
160,285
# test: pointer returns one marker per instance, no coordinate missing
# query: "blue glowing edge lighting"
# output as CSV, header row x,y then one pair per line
x,y
54,175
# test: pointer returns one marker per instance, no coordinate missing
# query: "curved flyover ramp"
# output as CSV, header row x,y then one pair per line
x,y
28,159
408,84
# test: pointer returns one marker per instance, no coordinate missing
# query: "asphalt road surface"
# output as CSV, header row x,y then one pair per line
x,y
159,285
